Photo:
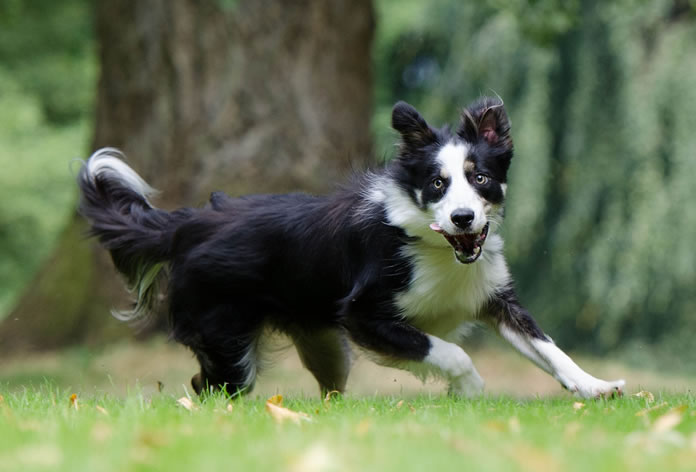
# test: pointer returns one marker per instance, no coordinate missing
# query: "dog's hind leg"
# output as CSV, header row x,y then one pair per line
x,y
517,326
326,354
227,349
232,369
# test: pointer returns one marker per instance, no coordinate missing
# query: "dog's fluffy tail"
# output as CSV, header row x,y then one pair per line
x,y
114,199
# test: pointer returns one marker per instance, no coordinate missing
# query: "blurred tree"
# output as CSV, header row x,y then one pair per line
x,y
242,96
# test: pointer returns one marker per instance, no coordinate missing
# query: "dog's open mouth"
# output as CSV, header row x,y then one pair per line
x,y
467,246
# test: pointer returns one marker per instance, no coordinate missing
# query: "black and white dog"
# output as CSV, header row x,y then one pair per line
x,y
397,262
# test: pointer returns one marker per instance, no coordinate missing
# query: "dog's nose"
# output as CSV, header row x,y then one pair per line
x,y
462,217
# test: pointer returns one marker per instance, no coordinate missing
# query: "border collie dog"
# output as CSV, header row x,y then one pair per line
x,y
398,262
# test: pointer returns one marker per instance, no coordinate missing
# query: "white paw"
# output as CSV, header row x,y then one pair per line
x,y
469,385
596,388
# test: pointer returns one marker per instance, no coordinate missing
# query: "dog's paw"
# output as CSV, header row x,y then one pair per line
x,y
596,388
470,385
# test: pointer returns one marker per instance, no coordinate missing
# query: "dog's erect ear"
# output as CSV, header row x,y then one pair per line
x,y
413,128
486,120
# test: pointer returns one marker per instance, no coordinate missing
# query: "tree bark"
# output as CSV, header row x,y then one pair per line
x,y
242,96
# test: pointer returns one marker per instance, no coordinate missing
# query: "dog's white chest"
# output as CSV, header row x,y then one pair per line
x,y
442,293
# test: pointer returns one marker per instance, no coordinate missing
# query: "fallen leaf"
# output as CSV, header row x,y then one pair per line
x,y
187,403
281,414
400,404
102,410
73,401
529,457
495,425
332,393
645,411
47,456
571,430
276,400
651,442
514,425
101,432
649,397
30,425
230,407
692,441
362,428
669,420
578,406
317,458
460,445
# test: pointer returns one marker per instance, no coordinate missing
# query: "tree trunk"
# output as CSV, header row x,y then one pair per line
x,y
241,96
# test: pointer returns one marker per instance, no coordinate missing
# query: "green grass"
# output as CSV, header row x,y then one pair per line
x,y
41,429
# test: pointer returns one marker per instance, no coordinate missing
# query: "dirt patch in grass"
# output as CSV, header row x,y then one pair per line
x,y
158,364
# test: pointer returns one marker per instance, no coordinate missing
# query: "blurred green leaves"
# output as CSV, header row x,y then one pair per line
x,y
48,48
47,83
602,97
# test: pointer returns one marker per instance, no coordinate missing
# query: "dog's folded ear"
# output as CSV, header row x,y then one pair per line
x,y
412,126
486,120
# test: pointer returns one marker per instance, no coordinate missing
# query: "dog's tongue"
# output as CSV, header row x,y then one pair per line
x,y
467,247
460,242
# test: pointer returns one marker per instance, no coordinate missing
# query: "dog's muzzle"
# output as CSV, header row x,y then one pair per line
x,y
467,246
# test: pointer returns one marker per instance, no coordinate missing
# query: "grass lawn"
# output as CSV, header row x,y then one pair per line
x,y
120,420
43,429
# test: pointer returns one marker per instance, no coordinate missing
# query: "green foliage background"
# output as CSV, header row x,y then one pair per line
x,y
47,80
602,98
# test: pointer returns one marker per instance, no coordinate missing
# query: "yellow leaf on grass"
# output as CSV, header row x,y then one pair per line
x,y
102,410
578,406
187,403
645,411
332,393
73,401
669,420
230,408
649,397
362,428
495,425
276,400
317,458
514,425
281,414
400,404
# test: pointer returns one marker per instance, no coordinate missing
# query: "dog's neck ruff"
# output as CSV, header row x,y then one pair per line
x,y
442,292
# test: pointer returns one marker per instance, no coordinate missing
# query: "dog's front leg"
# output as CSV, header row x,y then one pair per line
x,y
455,365
399,344
517,326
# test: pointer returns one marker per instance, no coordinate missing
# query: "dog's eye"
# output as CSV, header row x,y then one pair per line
x,y
481,179
438,184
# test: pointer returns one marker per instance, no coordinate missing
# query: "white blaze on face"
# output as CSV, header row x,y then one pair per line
x,y
459,193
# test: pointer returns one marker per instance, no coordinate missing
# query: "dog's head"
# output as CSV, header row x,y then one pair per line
x,y
455,182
